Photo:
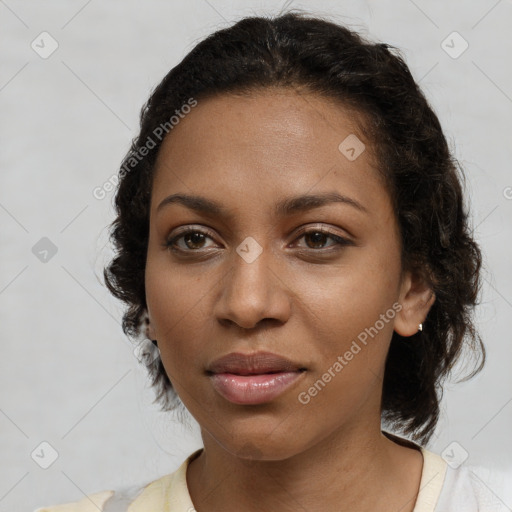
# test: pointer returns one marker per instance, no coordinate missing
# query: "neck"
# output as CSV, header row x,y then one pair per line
x,y
353,469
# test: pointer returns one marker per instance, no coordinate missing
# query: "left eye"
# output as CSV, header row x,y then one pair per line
x,y
317,236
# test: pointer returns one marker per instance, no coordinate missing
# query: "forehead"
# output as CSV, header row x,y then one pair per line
x,y
265,144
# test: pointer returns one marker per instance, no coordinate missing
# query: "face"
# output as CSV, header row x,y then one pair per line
x,y
317,281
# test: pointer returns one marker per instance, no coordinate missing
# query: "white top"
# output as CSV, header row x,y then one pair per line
x,y
442,489
466,489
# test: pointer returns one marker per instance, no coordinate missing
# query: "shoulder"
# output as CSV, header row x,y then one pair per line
x,y
155,495
445,487
90,503
473,488
148,494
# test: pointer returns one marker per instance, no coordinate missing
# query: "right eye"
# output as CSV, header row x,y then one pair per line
x,y
191,237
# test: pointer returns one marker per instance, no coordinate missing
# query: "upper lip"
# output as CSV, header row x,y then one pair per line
x,y
253,364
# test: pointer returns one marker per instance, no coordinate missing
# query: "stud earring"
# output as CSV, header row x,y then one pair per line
x,y
420,327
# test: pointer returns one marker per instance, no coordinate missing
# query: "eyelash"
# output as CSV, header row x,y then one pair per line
x,y
340,241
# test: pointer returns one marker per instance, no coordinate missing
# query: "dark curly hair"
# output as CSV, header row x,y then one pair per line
x,y
423,178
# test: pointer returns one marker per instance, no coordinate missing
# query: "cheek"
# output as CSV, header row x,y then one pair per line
x,y
351,316
343,302
176,310
350,339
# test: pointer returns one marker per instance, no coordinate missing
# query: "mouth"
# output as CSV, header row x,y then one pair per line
x,y
251,379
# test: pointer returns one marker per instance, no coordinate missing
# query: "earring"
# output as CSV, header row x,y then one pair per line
x,y
154,343
420,327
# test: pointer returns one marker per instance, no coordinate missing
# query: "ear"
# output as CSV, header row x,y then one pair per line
x,y
416,299
149,330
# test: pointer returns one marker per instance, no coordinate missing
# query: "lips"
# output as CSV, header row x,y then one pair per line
x,y
253,378
253,364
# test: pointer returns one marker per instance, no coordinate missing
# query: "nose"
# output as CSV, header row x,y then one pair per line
x,y
253,292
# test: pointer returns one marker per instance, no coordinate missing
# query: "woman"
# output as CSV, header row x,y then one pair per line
x,y
292,235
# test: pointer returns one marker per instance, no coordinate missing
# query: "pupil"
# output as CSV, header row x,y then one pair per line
x,y
317,237
195,238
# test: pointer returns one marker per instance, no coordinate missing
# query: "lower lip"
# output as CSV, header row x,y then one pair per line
x,y
253,389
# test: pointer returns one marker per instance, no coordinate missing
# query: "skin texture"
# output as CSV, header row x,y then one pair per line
x,y
304,297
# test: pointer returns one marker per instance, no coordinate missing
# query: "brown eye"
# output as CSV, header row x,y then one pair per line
x,y
193,240
316,238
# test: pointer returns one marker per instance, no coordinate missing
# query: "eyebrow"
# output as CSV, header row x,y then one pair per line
x,y
283,208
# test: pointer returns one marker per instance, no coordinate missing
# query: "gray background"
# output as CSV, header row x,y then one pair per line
x,y
68,376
